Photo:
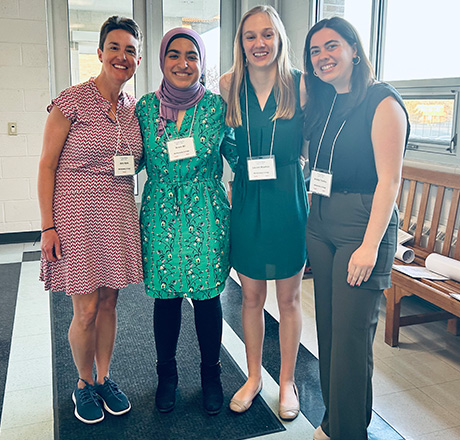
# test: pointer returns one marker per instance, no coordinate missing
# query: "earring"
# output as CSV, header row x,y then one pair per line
x,y
314,73
356,60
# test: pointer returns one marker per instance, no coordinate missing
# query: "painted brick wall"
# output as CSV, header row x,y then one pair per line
x,y
24,95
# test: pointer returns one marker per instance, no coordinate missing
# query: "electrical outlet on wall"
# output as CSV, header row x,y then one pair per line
x,y
12,128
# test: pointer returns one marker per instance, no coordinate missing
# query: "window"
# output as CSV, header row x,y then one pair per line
x,y
432,122
203,17
419,45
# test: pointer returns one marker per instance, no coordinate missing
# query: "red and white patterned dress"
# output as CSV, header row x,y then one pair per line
x,y
94,211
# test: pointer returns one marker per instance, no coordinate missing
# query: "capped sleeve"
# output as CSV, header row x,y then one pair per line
x,y
67,102
376,94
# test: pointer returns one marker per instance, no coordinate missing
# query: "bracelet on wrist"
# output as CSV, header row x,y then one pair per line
x,y
49,229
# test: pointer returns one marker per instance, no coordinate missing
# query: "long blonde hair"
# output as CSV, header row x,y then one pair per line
x,y
284,85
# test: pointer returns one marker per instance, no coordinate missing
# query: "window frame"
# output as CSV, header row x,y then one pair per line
x,y
429,89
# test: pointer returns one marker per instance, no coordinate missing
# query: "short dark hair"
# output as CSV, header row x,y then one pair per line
x,y
117,22
361,78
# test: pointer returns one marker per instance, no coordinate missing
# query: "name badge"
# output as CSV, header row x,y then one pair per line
x,y
182,148
123,165
261,168
321,183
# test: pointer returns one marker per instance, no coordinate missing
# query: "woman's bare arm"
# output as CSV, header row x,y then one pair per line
x,y
56,130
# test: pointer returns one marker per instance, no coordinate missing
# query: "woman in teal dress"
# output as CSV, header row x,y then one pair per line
x,y
185,214
269,209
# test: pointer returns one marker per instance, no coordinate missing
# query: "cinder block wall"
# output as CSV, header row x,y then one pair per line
x,y
24,95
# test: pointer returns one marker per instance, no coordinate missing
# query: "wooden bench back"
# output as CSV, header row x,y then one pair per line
x,y
441,181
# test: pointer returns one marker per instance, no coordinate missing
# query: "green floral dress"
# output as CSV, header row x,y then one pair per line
x,y
185,214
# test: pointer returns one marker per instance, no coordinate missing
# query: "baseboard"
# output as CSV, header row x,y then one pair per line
x,y
19,237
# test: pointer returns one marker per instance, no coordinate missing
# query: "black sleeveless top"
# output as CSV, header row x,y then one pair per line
x,y
353,162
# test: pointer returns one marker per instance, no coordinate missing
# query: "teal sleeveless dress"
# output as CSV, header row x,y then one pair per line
x,y
269,217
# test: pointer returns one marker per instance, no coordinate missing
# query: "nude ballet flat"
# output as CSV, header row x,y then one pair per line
x,y
319,434
290,413
241,406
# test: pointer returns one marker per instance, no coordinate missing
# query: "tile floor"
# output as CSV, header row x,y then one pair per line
x,y
417,386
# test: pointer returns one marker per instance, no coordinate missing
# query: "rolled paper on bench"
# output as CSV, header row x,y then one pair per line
x,y
405,254
443,265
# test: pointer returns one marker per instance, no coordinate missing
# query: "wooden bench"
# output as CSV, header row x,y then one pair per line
x,y
431,200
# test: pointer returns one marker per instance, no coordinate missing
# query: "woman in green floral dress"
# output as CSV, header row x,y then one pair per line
x,y
185,212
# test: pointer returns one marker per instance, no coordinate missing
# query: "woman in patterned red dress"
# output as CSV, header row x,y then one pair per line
x,y
90,232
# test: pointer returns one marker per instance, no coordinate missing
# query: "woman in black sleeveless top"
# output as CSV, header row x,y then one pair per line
x,y
357,129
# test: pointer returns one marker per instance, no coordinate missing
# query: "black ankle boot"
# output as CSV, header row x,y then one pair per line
x,y
165,397
213,396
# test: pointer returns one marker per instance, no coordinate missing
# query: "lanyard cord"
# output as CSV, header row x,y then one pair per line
x,y
120,134
333,144
191,126
335,138
247,123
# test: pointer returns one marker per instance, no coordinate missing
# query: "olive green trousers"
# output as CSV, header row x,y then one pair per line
x,y
346,316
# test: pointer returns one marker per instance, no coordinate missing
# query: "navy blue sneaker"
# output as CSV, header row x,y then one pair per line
x,y
115,400
87,407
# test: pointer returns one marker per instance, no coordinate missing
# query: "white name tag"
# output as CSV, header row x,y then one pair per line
x,y
182,148
321,183
123,165
261,168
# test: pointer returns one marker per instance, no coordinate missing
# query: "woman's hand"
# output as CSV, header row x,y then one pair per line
x,y
230,191
50,245
302,161
361,264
